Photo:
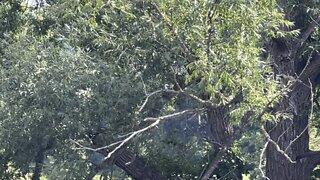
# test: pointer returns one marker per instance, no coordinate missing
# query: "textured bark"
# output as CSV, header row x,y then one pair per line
x,y
297,104
127,160
135,166
286,131
222,133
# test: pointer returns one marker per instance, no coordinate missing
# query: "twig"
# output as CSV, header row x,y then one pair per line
x,y
228,173
82,147
147,98
144,85
204,169
304,69
209,33
192,96
276,145
284,132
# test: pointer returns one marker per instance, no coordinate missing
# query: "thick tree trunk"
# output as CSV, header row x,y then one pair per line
x,y
291,133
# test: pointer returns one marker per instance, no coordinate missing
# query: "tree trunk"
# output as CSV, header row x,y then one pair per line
x,y
214,163
38,165
285,132
291,133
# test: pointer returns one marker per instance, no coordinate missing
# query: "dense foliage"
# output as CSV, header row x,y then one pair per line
x,y
73,69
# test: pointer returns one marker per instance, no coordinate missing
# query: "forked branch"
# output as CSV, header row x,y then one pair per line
x,y
277,146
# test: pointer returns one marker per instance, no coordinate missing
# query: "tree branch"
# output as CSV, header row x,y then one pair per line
x,y
155,123
192,96
131,135
147,98
311,69
315,155
304,36
276,145
214,163
261,166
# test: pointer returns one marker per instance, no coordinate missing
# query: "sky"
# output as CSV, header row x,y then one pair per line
x,y
34,3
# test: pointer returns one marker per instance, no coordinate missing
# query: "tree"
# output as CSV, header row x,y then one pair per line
x,y
295,58
98,74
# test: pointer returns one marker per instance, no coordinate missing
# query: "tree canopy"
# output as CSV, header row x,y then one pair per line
x,y
174,89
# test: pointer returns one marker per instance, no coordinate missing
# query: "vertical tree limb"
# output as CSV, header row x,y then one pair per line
x,y
214,163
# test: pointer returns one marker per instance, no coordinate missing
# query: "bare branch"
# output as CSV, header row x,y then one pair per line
x,y
192,96
82,147
304,69
157,121
276,145
108,146
124,135
147,98
224,176
310,70
175,115
261,160
131,137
